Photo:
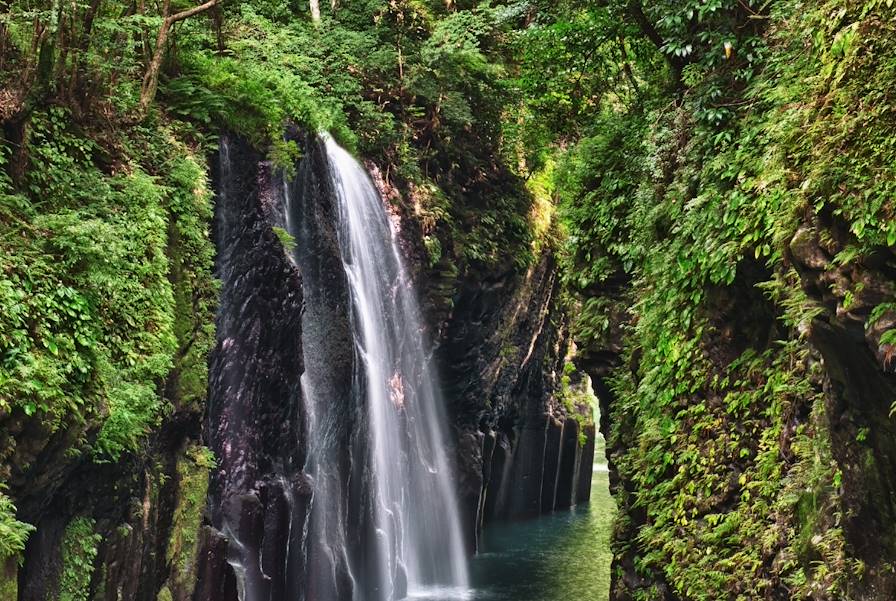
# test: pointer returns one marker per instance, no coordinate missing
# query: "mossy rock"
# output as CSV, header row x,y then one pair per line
x,y
79,549
193,473
9,590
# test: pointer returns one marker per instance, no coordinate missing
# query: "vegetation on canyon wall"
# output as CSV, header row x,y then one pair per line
x,y
109,112
720,214
724,176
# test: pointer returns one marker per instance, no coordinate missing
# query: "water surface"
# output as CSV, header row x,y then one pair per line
x,y
563,556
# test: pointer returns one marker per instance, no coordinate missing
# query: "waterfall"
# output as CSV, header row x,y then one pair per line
x,y
384,520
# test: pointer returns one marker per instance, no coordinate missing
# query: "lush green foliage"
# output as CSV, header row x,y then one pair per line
x,y
13,533
681,203
688,143
105,272
577,399
105,261
91,326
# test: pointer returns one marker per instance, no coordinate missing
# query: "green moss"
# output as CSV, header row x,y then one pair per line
x,y
9,589
79,549
192,473
433,248
190,253
696,210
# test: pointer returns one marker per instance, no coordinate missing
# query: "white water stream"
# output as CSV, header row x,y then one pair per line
x,y
418,542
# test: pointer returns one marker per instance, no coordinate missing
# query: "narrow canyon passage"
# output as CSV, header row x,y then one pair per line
x,y
562,556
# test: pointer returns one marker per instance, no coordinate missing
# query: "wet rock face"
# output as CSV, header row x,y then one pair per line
x,y
254,424
502,353
283,337
502,344
340,472
147,511
131,506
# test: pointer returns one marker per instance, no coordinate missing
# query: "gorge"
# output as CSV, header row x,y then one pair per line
x,y
334,480
574,300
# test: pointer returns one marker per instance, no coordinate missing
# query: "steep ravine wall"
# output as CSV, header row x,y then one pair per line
x,y
746,267
501,351
502,345
859,391
132,523
505,349
809,484
853,374
174,520
156,524
123,525
254,423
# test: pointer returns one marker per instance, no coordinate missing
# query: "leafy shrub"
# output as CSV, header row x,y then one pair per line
x,y
88,277
13,533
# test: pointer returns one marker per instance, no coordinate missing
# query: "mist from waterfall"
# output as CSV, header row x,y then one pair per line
x,y
395,463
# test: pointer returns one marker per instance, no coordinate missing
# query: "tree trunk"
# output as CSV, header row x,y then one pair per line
x,y
83,43
151,79
676,64
627,66
315,10
4,34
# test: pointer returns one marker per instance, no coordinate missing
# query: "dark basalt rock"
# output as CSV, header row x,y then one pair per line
x,y
567,474
552,449
502,352
586,466
43,561
523,487
328,342
859,395
254,424
130,504
216,578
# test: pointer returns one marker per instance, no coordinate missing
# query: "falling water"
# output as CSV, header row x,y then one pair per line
x,y
415,536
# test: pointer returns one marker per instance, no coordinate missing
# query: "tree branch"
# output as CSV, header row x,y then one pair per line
x,y
151,79
186,14
647,28
636,11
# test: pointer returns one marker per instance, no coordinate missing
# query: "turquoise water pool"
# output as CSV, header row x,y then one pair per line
x,y
563,556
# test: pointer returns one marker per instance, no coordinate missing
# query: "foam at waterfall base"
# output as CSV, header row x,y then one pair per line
x,y
442,593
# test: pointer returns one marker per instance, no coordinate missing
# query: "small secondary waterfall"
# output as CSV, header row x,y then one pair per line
x,y
384,520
